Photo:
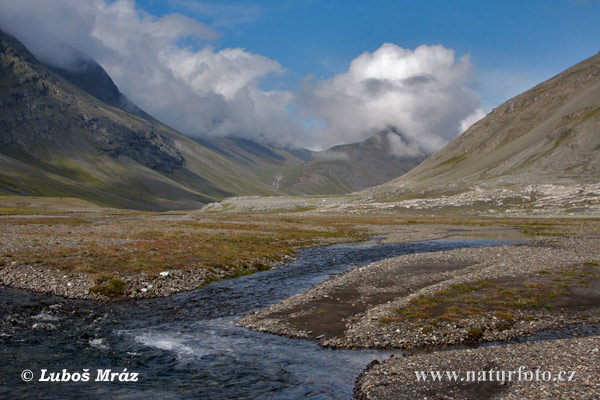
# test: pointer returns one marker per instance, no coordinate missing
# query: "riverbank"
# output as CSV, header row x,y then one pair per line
x,y
448,298
427,302
551,369
71,248
186,345
107,254
104,255
96,253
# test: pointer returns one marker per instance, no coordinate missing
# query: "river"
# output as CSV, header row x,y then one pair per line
x,y
188,346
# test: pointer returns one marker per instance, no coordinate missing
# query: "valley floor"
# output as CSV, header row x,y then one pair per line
x,y
77,250
435,304
420,303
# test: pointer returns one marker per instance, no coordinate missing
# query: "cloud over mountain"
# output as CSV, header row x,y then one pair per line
x,y
422,93
167,66
164,65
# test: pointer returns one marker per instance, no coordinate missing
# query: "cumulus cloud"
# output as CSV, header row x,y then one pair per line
x,y
196,89
400,147
167,66
471,119
422,93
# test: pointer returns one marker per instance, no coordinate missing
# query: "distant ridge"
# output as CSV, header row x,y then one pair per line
x,y
89,76
351,167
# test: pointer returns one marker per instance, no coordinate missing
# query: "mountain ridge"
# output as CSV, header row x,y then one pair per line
x,y
351,167
90,77
548,134
58,140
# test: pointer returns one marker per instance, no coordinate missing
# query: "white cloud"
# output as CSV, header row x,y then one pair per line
x,y
421,93
331,155
401,148
471,119
199,92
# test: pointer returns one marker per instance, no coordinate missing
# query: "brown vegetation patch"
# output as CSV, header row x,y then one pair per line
x,y
327,315
507,299
153,243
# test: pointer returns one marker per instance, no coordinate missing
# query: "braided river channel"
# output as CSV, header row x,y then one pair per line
x,y
188,346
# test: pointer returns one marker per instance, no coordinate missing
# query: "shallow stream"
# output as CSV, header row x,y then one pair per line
x,y
188,345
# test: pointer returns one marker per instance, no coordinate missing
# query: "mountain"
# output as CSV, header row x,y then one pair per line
x,y
338,170
70,134
351,167
264,162
267,163
89,76
549,134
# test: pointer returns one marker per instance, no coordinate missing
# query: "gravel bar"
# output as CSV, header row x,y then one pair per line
x,y
540,363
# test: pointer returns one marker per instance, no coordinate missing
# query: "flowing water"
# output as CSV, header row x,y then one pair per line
x,y
188,345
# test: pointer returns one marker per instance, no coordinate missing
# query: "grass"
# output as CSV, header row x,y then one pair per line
x,y
543,229
590,112
19,211
509,300
110,287
223,245
475,333
127,245
452,160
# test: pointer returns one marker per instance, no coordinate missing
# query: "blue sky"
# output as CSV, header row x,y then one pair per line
x,y
513,44
315,73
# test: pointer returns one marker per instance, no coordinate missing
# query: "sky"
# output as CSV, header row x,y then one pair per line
x,y
315,73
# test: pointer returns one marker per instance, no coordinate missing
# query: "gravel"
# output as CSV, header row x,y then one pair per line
x,y
365,329
78,285
396,379
439,346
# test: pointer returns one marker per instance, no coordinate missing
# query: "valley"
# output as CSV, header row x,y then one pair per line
x,y
433,283
233,265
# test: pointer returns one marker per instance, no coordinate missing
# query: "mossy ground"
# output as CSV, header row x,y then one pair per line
x,y
109,244
108,247
507,300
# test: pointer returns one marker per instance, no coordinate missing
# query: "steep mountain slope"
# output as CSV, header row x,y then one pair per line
x,y
89,76
549,134
267,163
351,167
58,140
